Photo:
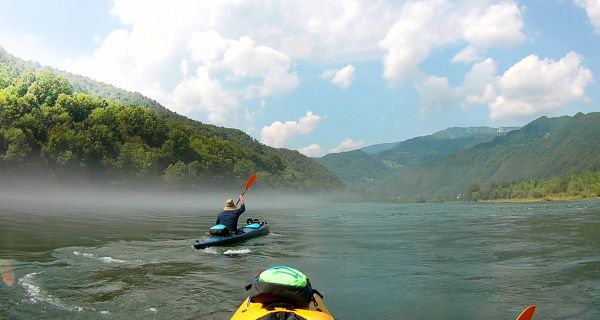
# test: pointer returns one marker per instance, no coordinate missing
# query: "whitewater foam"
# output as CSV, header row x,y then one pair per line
x,y
237,252
93,256
209,251
36,294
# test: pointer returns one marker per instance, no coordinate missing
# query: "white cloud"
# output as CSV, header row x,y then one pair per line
x,y
278,133
468,54
297,28
420,28
477,87
202,93
427,25
532,87
498,25
312,150
347,145
436,93
171,60
592,8
342,78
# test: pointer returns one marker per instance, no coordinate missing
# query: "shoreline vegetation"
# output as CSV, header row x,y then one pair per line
x,y
546,199
566,188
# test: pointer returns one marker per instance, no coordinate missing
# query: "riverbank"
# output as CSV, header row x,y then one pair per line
x,y
545,199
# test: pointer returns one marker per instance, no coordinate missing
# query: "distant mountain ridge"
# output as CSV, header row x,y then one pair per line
x,y
365,168
376,148
543,149
444,165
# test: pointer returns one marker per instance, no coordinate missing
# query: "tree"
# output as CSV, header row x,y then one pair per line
x,y
60,146
175,174
17,146
99,145
136,158
47,87
79,106
137,121
243,168
181,144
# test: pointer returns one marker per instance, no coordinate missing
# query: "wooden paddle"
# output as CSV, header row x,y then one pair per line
x,y
248,185
527,314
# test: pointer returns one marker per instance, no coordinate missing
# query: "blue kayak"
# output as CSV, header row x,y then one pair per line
x,y
249,231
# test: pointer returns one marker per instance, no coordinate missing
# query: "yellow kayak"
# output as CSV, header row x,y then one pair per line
x,y
253,310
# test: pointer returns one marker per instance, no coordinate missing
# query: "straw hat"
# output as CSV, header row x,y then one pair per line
x,y
229,205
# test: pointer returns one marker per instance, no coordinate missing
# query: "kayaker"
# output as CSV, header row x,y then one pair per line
x,y
230,215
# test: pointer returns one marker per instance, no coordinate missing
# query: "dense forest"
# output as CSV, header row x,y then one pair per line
x,y
55,125
585,185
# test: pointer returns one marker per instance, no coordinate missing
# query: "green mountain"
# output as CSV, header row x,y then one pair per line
x,y
376,148
355,168
544,148
424,149
366,168
58,125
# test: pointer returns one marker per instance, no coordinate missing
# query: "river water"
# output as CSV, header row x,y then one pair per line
x,y
371,261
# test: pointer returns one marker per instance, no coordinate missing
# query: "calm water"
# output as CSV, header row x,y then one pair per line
x,y
371,261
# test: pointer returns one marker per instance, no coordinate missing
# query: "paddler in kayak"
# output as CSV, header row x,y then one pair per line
x,y
230,215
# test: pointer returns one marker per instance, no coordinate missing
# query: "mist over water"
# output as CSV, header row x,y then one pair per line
x,y
87,195
94,253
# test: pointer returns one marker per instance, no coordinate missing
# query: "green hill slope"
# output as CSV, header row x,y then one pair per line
x,y
355,168
364,169
545,148
58,125
424,149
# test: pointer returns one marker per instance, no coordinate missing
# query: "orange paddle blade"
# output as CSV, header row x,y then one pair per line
x,y
527,314
250,182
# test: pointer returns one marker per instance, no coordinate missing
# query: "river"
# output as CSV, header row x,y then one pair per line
x,y
371,261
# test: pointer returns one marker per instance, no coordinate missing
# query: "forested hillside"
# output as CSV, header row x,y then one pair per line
x,y
356,168
368,167
56,125
541,150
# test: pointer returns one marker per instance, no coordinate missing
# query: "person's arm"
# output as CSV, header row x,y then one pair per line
x,y
242,206
218,221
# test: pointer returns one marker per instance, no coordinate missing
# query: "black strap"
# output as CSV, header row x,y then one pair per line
x,y
318,293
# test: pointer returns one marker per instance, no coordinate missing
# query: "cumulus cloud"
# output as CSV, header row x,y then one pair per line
x,y
436,93
477,87
532,87
185,62
247,60
201,93
498,25
278,133
312,150
467,55
347,145
424,26
592,8
342,78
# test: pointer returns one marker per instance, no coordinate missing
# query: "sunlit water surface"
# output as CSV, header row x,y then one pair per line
x,y
371,261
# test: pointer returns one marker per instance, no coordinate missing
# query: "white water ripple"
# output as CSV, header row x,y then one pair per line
x,y
36,294
237,252
209,251
103,259
152,310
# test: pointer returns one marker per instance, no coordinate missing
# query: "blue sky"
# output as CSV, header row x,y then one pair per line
x,y
327,76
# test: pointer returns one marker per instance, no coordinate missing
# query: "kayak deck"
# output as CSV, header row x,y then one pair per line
x,y
251,311
248,233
